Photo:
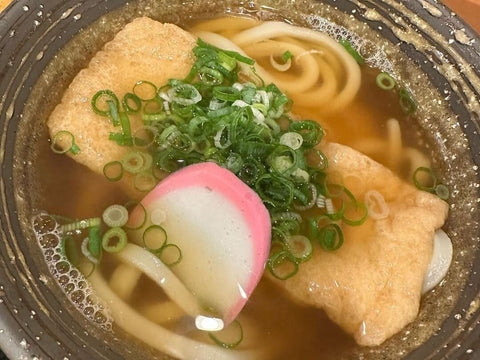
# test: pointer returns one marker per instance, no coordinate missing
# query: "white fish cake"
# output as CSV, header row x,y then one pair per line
x,y
144,50
372,285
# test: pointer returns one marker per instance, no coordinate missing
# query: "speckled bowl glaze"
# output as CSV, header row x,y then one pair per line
x,y
435,54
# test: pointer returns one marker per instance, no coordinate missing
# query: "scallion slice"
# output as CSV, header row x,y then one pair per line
x,y
385,81
330,237
81,224
230,337
300,247
351,50
145,181
87,253
114,240
133,162
59,138
154,238
113,170
115,215
424,179
170,254
282,265
131,103
100,102
442,191
95,242
145,90
407,105
70,250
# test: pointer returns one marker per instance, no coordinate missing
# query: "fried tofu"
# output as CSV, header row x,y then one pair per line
x,y
144,50
371,286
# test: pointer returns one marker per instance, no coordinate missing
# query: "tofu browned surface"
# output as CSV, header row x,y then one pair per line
x,y
371,286
144,50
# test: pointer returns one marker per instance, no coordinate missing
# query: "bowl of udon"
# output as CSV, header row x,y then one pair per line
x,y
239,180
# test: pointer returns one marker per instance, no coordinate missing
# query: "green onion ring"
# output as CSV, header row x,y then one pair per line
x,y
228,345
127,99
170,247
140,88
431,178
112,165
161,233
107,93
115,215
442,191
110,235
276,260
74,149
330,237
133,162
385,81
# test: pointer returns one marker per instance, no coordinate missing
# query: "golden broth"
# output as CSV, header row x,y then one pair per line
x,y
304,333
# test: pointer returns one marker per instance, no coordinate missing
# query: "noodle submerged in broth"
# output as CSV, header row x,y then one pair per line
x,y
161,125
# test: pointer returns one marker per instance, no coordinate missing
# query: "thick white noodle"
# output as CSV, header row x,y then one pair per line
x,y
162,312
151,266
416,159
124,279
157,336
394,144
274,29
298,83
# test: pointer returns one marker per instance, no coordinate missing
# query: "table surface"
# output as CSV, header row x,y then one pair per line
x,y
469,10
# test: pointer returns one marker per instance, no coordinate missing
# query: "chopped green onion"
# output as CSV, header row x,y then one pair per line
x,y
293,140
133,162
113,110
81,224
385,81
70,250
87,253
145,181
226,93
113,170
210,76
330,237
139,205
184,94
154,238
406,102
126,129
356,214
287,55
424,179
442,191
131,103
282,265
115,215
145,90
114,240
105,95
352,51
144,136
170,254
95,242
275,190
56,148
300,247
231,336
310,130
